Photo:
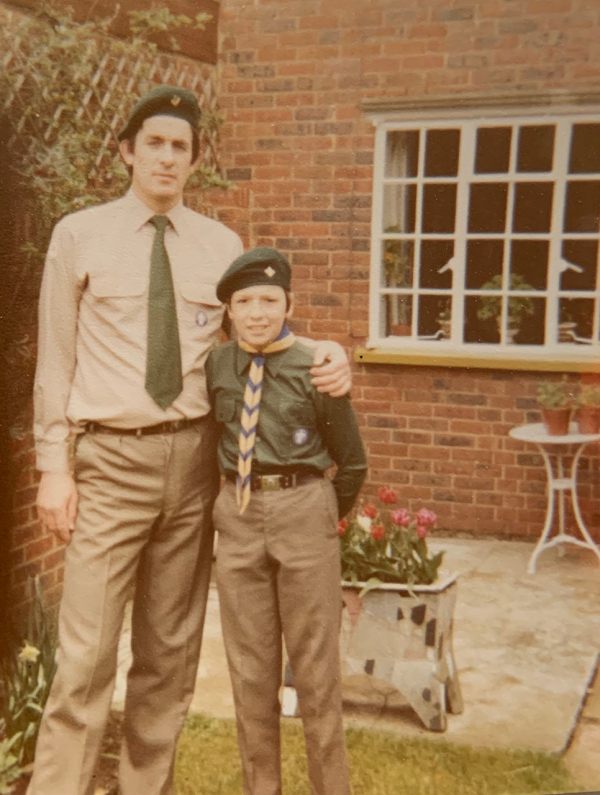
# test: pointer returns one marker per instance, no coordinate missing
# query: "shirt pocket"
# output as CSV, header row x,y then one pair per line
x,y
296,433
109,286
201,310
225,408
116,301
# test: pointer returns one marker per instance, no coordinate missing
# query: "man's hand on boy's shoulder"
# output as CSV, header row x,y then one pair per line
x,y
330,372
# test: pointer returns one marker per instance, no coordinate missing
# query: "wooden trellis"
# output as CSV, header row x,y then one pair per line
x,y
114,86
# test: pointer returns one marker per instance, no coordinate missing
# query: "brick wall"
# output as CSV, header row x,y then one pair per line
x,y
293,75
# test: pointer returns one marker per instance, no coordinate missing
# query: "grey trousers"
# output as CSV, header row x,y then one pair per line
x,y
278,573
143,526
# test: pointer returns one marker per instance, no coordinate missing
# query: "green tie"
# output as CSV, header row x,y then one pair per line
x,y
163,358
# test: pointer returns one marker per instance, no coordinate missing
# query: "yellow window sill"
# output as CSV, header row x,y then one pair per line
x,y
549,363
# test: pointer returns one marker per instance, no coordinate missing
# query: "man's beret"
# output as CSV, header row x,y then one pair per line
x,y
162,101
258,266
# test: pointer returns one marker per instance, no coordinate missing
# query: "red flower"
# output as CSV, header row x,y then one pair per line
x,y
401,517
386,495
421,530
370,510
377,532
426,517
342,527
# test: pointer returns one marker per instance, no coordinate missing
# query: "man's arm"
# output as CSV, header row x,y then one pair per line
x,y
58,308
330,372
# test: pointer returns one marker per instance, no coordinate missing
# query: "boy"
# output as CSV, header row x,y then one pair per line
x,y
278,564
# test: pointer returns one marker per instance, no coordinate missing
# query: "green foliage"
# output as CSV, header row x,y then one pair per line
x,y
380,764
589,395
71,80
518,306
383,544
554,394
10,769
27,674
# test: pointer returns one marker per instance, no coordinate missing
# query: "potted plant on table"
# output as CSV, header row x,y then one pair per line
x,y
401,609
588,409
556,402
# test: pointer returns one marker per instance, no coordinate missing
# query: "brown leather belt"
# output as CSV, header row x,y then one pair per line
x,y
161,427
275,482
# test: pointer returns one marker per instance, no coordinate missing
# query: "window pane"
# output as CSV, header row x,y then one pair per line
x,y
402,153
487,207
585,149
529,264
484,261
434,315
477,329
441,153
582,207
535,148
584,255
399,208
575,319
398,315
435,254
533,207
492,150
439,207
398,258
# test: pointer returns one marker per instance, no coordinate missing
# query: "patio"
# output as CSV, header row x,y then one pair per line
x,y
526,648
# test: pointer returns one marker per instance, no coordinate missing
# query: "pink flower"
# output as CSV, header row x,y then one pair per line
x,y
370,510
377,532
386,495
342,526
426,518
421,530
400,517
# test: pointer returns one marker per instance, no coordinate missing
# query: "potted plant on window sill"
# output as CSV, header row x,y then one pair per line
x,y
519,306
556,403
400,606
588,409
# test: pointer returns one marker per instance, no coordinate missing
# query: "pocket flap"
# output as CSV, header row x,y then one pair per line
x,y
200,293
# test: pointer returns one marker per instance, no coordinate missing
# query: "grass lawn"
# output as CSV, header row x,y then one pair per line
x,y
381,764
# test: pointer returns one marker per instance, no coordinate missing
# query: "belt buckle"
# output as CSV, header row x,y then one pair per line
x,y
270,482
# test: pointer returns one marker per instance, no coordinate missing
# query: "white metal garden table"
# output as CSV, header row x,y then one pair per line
x,y
562,482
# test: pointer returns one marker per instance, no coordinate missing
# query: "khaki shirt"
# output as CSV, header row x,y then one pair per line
x,y
93,319
298,427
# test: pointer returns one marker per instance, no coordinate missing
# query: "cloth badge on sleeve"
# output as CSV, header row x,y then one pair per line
x,y
201,318
300,436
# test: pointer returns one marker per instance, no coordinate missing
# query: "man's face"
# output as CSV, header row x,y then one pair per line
x,y
161,161
258,313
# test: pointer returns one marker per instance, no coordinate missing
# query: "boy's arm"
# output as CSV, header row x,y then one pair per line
x,y
343,442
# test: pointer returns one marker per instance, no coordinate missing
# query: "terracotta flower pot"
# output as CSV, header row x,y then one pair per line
x,y
556,421
588,419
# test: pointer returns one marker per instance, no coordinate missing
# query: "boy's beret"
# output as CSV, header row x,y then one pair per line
x,y
162,101
258,266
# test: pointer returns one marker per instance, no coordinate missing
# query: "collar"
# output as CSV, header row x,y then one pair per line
x,y
273,361
140,213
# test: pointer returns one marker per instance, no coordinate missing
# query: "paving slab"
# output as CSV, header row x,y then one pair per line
x,y
526,647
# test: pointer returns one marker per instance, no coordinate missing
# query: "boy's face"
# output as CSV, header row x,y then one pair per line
x,y
258,313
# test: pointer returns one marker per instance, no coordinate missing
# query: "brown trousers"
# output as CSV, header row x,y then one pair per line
x,y
143,525
278,572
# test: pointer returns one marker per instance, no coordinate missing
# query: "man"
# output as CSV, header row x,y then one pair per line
x,y
128,315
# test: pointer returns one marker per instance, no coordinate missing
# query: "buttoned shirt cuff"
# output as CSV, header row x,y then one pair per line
x,y
52,457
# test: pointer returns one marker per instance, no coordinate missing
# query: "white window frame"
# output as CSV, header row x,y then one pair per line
x,y
469,118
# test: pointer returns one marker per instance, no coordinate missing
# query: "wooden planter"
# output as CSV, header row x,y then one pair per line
x,y
403,635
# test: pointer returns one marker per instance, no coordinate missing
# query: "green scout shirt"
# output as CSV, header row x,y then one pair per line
x,y
298,427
